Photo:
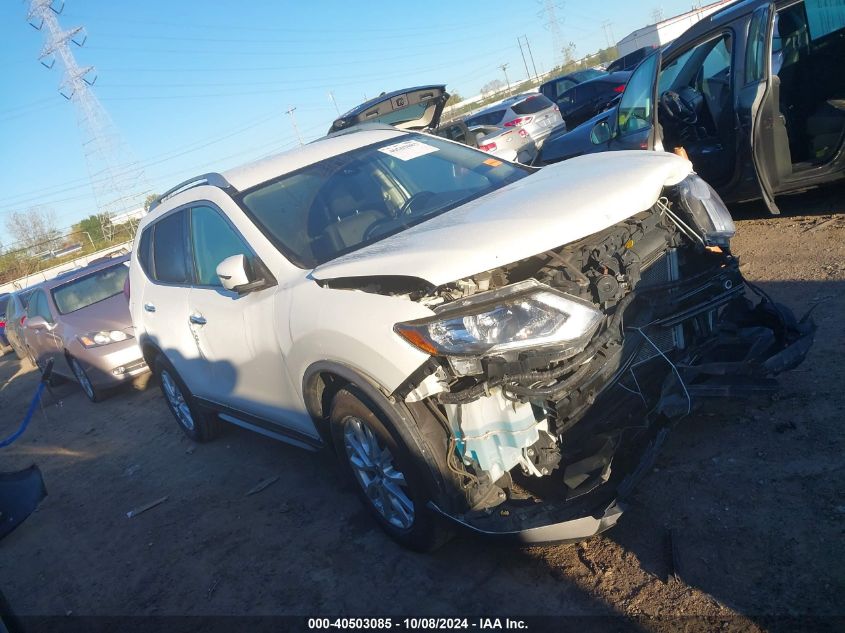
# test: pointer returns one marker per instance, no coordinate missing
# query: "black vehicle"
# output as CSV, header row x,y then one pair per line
x,y
586,100
554,88
754,93
630,61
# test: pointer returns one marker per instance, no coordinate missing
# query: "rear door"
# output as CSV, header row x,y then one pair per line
x,y
164,299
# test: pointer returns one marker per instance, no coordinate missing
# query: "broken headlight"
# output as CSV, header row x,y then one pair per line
x,y
707,211
524,315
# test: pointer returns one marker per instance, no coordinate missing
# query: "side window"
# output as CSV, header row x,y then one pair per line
x,y
38,307
755,52
636,105
145,251
562,86
213,240
169,254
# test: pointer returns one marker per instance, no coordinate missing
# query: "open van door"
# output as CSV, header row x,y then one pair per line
x,y
635,124
759,108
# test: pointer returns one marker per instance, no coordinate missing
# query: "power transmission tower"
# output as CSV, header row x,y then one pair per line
x,y
116,176
290,112
657,15
552,24
504,68
607,26
530,54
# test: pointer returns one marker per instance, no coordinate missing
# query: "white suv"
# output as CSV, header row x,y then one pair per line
x,y
477,340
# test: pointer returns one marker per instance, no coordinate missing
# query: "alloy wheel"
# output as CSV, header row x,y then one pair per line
x,y
82,378
177,400
375,469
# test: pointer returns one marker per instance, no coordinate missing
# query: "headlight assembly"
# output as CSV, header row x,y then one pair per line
x,y
98,339
707,211
521,316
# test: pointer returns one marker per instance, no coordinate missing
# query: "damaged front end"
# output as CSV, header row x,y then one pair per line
x,y
555,377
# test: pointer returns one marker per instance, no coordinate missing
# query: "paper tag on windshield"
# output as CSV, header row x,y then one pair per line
x,y
408,150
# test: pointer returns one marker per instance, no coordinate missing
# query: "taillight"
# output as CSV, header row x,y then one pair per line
x,y
487,147
23,318
2,324
519,121
619,89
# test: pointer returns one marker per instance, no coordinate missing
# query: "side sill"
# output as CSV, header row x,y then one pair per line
x,y
262,426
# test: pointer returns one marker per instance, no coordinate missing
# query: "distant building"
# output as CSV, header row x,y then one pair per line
x,y
663,32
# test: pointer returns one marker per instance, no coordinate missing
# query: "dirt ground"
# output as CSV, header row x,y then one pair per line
x,y
752,493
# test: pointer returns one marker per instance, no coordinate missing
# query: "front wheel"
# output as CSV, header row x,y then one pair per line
x,y
196,423
93,394
389,475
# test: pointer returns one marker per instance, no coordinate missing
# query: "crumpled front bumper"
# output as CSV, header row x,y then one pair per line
x,y
754,343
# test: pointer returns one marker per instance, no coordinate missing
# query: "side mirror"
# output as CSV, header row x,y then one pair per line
x,y
236,274
37,323
601,133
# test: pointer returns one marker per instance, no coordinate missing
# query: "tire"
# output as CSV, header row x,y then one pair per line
x,y
399,482
197,423
91,392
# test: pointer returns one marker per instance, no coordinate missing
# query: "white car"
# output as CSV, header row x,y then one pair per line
x,y
481,343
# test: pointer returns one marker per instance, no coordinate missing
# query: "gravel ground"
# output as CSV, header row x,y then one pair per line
x,y
750,497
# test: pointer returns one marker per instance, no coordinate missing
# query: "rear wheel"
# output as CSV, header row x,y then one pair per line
x,y
195,422
93,394
389,475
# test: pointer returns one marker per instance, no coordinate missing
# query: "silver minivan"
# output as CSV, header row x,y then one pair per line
x,y
532,112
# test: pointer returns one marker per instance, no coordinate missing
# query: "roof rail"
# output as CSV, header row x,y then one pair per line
x,y
213,178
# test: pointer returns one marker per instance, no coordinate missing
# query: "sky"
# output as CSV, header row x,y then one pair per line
x,y
196,86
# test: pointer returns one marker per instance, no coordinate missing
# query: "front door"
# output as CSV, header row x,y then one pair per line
x,y
237,334
42,342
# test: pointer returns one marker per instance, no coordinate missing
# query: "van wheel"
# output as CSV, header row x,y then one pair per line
x,y
197,424
388,475
93,394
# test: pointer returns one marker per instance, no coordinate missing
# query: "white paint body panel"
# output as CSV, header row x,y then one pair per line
x,y
254,350
561,203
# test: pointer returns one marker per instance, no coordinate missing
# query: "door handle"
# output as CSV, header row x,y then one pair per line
x,y
197,319
149,307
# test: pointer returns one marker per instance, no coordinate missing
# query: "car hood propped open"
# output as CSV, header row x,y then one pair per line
x,y
557,205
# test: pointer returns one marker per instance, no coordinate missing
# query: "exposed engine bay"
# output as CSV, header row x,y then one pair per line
x,y
556,377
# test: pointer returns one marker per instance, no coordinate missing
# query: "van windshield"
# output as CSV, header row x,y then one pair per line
x,y
346,202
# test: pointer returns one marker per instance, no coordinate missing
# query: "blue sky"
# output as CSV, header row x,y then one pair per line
x,y
195,86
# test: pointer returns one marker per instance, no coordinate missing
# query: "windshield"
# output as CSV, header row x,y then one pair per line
x,y
90,289
348,201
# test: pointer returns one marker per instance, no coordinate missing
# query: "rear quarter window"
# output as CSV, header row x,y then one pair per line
x,y
532,104
145,251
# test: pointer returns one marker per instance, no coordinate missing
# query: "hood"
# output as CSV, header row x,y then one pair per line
x,y
557,205
416,108
108,314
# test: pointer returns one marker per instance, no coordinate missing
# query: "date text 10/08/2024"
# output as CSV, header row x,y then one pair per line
x,y
410,624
